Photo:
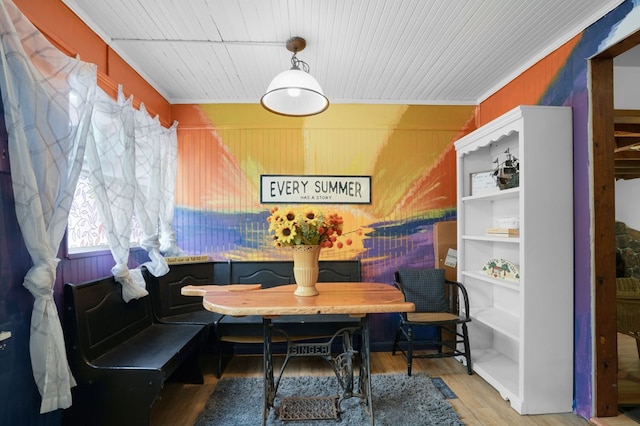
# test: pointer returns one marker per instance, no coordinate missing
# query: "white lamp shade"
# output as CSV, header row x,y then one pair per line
x,y
294,93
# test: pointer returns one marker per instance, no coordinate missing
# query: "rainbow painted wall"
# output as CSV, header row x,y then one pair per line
x,y
406,150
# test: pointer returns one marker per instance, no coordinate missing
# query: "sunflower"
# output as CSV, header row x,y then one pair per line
x,y
285,233
275,220
306,225
311,216
290,215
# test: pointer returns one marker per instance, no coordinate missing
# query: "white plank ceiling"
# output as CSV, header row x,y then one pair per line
x,y
360,51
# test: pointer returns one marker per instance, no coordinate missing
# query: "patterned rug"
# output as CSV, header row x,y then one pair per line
x,y
397,399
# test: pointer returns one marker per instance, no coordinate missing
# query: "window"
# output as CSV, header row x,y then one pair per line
x,y
84,229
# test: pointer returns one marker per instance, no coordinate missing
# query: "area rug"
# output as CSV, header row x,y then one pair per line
x,y
397,399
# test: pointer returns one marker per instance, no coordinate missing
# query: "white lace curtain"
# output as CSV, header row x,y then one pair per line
x,y
148,169
54,111
156,154
47,99
169,155
132,163
111,164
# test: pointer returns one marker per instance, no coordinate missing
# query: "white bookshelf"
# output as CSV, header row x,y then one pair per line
x,y
521,332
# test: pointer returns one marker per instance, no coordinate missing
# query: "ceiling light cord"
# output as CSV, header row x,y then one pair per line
x,y
297,64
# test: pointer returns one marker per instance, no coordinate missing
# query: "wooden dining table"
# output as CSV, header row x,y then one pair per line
x,y
357,299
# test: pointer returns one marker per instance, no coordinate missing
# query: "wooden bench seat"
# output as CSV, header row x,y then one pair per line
x,y
171,307
119,357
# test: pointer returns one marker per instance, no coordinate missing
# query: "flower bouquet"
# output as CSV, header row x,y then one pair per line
x,y
306,230
306,225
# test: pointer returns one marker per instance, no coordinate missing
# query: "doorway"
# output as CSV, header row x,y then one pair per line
x,y
604,294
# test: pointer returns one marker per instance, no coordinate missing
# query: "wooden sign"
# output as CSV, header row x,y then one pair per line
x,y
314,189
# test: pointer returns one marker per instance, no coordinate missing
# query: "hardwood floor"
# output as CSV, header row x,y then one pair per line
x,y
477,403
628,382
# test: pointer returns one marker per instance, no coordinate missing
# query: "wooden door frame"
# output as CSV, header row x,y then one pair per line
x,y
604,293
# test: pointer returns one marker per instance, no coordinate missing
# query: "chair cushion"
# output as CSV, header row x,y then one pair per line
x,y
425,288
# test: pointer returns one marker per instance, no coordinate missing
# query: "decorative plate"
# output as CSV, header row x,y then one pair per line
x,y
502,269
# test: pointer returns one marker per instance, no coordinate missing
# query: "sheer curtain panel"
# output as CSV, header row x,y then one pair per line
x,y
111,160
47,99
169,155
148,169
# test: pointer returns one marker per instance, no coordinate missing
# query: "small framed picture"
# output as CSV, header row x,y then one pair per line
x,y
483,183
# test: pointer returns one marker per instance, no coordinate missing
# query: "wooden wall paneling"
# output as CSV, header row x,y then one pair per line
x,y
411,162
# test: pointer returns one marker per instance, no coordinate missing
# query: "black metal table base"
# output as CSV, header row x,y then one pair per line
x,y
342,364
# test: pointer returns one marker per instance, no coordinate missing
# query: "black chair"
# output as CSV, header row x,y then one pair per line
x,y
436,300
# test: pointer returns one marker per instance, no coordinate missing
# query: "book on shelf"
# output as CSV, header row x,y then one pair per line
x,y
503,232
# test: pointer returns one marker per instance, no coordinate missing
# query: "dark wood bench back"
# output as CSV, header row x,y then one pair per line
x,y
166,293
275,273
269,274
339,271
98,319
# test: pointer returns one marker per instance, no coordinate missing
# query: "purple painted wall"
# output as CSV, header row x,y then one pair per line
x,y
570,88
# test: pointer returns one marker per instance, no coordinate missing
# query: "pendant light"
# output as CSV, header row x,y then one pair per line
x,y
295,92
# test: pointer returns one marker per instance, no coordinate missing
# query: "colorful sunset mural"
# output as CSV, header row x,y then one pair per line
x,y
406,150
